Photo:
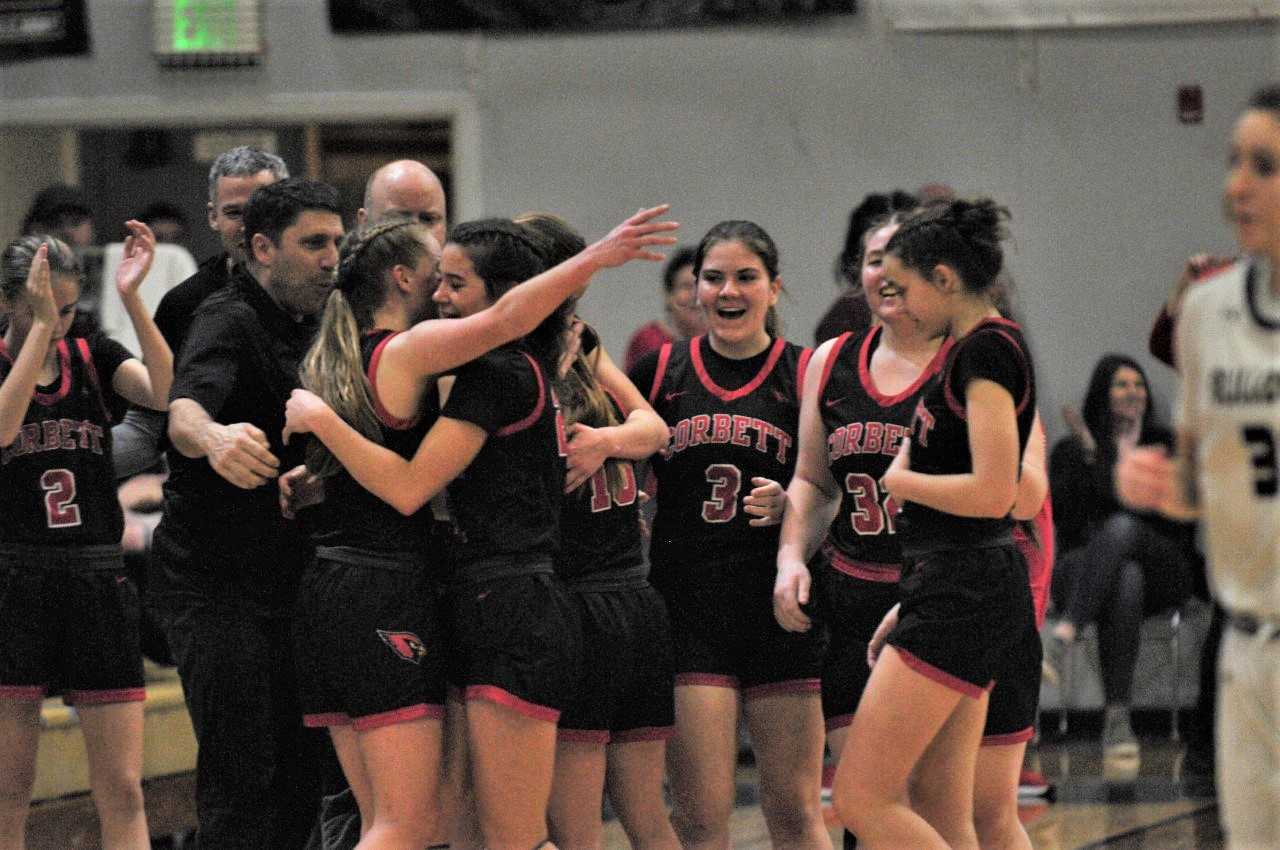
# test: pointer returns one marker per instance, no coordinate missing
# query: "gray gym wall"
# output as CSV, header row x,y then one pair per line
x,y
788,127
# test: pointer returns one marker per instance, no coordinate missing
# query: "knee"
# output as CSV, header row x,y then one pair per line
x,y
119,793
993,820
857,803
790,812
701,822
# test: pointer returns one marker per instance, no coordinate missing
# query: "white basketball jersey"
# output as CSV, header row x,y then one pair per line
x,y
1229,356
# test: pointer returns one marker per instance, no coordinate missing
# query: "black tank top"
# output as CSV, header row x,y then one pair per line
x,y
600,531
864,429
730,421
506,504
57,477
352,516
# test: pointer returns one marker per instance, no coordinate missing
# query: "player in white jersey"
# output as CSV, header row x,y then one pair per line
x,y
1229,356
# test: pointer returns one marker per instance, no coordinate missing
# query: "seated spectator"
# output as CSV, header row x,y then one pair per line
x,y
680,303
1117,566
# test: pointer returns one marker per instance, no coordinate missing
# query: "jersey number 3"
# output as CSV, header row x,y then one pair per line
x,y
1266,467
873,513
59,487
726,481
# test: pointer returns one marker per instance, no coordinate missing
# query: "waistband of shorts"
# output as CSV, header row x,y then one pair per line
x,y
400,562
996,540
1253,626
103,556
865,570
500,567
609,579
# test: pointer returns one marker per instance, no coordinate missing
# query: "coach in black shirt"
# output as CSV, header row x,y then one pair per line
x,y
227,562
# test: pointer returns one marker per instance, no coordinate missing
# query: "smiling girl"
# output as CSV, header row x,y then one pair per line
x,y
731,401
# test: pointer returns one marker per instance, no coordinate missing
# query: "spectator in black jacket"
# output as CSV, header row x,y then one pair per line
x,y
1116,566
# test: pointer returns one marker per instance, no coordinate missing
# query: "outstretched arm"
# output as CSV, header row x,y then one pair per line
x,y
146,383
437,345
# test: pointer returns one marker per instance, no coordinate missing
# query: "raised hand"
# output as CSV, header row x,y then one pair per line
x,y
139,251
39,288
633,239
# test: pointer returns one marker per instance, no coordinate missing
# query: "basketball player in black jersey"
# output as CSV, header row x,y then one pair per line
x,y
513,630
622,715
856,412
965,595
731,403
69,616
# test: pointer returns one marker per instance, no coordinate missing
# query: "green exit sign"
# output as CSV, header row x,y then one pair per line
x,y
205,33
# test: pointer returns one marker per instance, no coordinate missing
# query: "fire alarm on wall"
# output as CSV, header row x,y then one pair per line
x,y
1190,104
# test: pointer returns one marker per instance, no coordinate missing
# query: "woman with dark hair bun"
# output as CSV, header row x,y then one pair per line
x,y
731,401
906,777
1117,566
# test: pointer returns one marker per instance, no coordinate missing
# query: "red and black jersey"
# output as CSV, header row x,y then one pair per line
x,y
600,531
352,516
994,350
57,477
506,504
730,421
864,429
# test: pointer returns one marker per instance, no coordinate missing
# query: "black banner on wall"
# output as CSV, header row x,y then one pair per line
x,y
31,29
512,16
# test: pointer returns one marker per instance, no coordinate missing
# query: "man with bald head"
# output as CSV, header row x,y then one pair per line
x,y
405,189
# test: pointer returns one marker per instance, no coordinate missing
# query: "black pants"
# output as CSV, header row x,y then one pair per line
x,y
258,771
1127,571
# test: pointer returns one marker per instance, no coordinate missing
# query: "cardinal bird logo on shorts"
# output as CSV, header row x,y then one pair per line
x,y
406,645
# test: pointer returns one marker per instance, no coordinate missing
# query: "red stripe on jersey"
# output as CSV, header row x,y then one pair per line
x,y
644,733
869,384
1008,740
516,427
865,570
942,677
398,715
86,355
791,686
695,354
800,370
583,736
664,355
105,697
64,388
832,356
499,696
372,374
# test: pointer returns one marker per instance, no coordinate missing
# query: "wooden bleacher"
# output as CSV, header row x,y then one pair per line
x,y
62,814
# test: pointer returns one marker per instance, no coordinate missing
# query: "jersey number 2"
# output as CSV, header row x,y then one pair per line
x,y
59,487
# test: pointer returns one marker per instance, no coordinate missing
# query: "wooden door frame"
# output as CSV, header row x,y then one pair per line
x,y
459,109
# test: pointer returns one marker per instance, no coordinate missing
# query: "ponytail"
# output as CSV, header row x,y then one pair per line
x,y
332,369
